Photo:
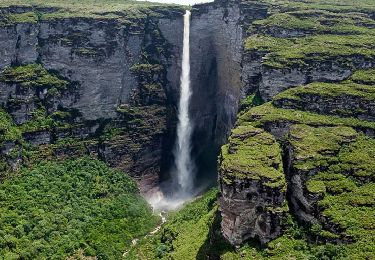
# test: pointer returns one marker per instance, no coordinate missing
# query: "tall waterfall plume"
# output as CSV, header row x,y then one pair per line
x,y
181,188
182,152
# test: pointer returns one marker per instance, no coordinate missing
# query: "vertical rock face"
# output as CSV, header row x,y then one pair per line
x,y
252,186
216,56
97,54
120,104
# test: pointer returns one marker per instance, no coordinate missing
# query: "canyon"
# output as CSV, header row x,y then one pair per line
x,y
281,108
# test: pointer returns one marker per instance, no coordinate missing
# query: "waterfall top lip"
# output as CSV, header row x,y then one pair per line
x,y
180,2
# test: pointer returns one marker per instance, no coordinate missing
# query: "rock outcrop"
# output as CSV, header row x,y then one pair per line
x,y
252,186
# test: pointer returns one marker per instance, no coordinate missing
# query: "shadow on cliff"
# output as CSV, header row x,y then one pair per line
x,y
215,245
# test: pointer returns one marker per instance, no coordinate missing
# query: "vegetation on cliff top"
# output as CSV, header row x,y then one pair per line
x,y
339,165
364,76
284,52
364,92
330,5
122,10
298,34
252,154
268,114
287,106
55,209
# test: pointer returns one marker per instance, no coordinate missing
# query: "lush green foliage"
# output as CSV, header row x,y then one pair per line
x,y
8,130
193,232
35,76
250,101
252,154
312,150
28,17
366,6
364,92
318,21
185,234
358,86
54,209
364,76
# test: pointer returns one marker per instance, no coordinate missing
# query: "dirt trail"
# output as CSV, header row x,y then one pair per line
x,y
153,232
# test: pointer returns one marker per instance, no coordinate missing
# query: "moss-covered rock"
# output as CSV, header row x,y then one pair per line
x,y
252,185
252,154
345,99
32,75
331,181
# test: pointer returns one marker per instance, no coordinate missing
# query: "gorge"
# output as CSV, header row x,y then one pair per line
x,y
271,100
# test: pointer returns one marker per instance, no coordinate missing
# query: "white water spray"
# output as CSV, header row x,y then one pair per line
x,y
183,175
182,152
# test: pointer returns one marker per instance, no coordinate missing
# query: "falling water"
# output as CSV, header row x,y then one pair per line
x,y
183,174
183,162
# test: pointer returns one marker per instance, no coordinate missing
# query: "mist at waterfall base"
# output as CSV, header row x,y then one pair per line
x,y
181,185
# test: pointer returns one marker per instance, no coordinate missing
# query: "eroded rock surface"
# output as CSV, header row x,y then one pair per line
x,y
252,186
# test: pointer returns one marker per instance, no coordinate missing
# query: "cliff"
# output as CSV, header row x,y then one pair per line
x,y
99,82
315,67
286,87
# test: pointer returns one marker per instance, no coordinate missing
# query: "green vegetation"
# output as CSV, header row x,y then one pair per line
x,y
252,154
143,120
125,11
35,76
250,101
312,150
40,121
365,6
146,68
193,232
365,92
185,235
55,209
265,114
32,76
344,161
318,21
28,17
300,33
364,76
359,86
283,52
8,130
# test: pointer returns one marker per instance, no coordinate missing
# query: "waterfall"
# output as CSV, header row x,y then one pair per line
x,y
182,152
181,189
